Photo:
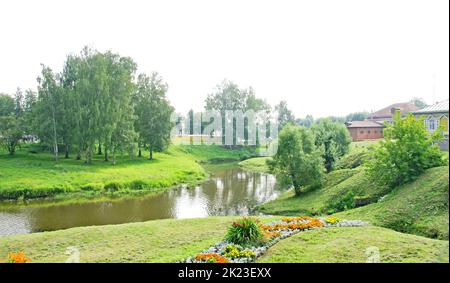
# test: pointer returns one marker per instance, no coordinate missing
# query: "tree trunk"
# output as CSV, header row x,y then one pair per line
x,y
55,139
79,154
99,149
139,150
67,151
106,154
151,152
113,155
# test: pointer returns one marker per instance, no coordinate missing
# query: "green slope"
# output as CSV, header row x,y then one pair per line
x,y
420,207
349,244
337,185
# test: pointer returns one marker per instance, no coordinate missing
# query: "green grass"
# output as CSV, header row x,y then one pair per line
x,y
153,241
348,244
320,201
171,240
258,164
216,153
421,207
27,175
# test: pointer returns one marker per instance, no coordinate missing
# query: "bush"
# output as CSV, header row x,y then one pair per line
x,y
406,152
344,202
245,232
113,186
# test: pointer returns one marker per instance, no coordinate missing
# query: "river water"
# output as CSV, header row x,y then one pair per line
x,y
228,192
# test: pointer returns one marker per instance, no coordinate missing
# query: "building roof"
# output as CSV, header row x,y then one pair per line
x,y
364,124
439,107
387,112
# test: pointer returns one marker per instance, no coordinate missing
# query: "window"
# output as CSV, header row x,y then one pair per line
x,y
368,131
431,124
361,132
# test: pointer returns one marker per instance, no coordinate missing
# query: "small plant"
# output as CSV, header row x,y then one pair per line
x,y
332,220
233,251
18,257
245,232
211,258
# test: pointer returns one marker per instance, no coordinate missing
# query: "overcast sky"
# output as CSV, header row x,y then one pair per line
x,y
323,57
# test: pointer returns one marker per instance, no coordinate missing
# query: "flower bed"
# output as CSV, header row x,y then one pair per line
x,y
227,252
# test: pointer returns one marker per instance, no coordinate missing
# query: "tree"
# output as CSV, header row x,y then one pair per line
x,y
297,161
406,151
285,115
333,139
307,122
153,111
419,102
356,116
10,132
48,108
6,105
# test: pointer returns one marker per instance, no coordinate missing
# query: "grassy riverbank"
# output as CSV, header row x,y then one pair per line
x,y
257,164
142,242
29,175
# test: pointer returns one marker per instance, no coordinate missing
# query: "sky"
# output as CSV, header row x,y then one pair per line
x,y
322,57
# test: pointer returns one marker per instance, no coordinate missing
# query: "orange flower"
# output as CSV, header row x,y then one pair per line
x,y
18,257
212,257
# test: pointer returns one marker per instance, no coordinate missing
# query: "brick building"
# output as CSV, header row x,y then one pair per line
x,y
365,130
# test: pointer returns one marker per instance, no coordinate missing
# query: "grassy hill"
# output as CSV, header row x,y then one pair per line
x,y
349,244
340,188
421,207
171,240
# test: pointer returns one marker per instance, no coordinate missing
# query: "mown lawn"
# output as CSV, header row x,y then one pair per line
x,y
153,241
421,207
257,164
349,244
316,202
172,240
28,175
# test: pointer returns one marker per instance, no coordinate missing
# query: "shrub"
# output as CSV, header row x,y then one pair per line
x,y
406,152
92,187
245,232
113,186
341,203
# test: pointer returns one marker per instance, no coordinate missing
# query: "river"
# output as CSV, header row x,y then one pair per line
x,y
230,191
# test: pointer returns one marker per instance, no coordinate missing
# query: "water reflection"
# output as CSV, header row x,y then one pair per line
x,y
227,192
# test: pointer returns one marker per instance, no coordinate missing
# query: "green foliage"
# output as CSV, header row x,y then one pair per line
x,y
297,161
344,202
11,131
245,232
6,105
154,112
333,139
285,116
406,152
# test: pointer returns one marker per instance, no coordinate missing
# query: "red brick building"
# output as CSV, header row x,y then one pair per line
x,y
372,127
365,130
